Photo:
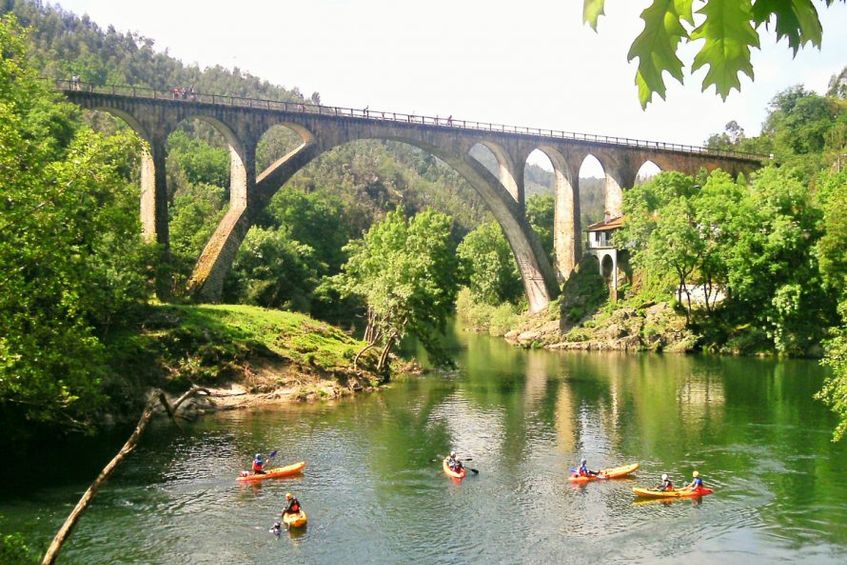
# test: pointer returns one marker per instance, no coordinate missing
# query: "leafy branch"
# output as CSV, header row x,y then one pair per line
x,y
729,29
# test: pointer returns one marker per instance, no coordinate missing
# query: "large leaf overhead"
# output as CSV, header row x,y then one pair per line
x,y
655,47
796,20
728,29
591,12
728,34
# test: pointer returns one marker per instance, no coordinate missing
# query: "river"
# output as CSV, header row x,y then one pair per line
x,y
375,492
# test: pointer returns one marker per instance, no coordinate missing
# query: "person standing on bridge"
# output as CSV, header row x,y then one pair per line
x,y
450,120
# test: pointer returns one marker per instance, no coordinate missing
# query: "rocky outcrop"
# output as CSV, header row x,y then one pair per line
x,y
647,327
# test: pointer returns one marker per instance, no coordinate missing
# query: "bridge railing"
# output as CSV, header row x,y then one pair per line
x,y
189,95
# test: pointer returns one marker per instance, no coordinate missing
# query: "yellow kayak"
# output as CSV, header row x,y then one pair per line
x,y
275,473
681,493
296,520
611,473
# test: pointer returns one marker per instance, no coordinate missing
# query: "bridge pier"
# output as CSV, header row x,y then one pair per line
x,y
207,279
154,206
248,197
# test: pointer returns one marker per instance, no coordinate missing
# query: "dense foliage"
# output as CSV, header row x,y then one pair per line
x,y
754,243
406,273
72,256
803,268
728,29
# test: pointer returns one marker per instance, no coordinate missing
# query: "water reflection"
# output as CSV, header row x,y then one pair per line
x,y
375,493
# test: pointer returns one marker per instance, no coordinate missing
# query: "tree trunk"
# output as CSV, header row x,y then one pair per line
x,y
128,447
359,354
679,296
383,357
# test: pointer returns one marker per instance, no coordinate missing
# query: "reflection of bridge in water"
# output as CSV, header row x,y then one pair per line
x,y
243,121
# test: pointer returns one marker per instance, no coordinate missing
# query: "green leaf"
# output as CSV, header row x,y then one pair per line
x,y
728,34
795,19
683,8
656,47
591,12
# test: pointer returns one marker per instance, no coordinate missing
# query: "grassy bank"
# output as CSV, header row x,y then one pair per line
x,y
261,351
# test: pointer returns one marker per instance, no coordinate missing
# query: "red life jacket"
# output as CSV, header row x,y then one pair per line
x,y
257,466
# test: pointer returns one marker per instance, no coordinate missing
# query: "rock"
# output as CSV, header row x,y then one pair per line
x,y
529,336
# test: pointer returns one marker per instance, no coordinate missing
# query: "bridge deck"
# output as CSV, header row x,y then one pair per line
x,y
75,87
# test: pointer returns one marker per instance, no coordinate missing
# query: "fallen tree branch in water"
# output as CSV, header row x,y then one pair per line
x,y
156,398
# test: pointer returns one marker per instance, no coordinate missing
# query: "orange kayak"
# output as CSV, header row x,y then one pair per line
x,y
681,493
275,473
451,473
611,473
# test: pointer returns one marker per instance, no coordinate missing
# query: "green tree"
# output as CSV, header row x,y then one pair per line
x,y
832,246
834,391
773,276
272,269
728,28
406,273
489,265
315,219
541,211
71,255
833,267
195,213
200,162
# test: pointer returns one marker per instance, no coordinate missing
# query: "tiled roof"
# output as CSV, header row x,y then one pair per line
x,y
612,224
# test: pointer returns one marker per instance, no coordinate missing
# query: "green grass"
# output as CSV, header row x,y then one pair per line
x,y
174,345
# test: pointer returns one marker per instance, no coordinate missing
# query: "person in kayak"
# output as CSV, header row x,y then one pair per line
x,y
696,481
258,465
292,505
584,471
666,484
454,463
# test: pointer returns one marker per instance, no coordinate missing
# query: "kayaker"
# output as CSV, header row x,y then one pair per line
x,y
584,471
696,481
454,463
258,465
292,505
666,484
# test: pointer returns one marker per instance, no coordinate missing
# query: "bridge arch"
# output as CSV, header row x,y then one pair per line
x,y
539,284
646,171
241,157
505,169
566,213
277,141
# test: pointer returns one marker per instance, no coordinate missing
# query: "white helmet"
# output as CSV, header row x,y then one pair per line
x,y
453,454
664,476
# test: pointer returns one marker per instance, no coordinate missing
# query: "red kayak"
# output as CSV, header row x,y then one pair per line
x,y
453,474
274,473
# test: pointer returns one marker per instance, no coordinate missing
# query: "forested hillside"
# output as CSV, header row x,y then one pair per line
x,y
331,201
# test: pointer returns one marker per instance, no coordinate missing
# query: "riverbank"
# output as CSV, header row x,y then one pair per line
x,y
643,327
244,355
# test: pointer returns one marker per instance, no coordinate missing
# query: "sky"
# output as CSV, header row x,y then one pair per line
x,y
531,63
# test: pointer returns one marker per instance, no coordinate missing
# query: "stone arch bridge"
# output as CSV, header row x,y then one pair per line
x,y
242,122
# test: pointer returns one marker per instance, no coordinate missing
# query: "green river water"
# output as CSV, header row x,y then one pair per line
x,y
375,492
